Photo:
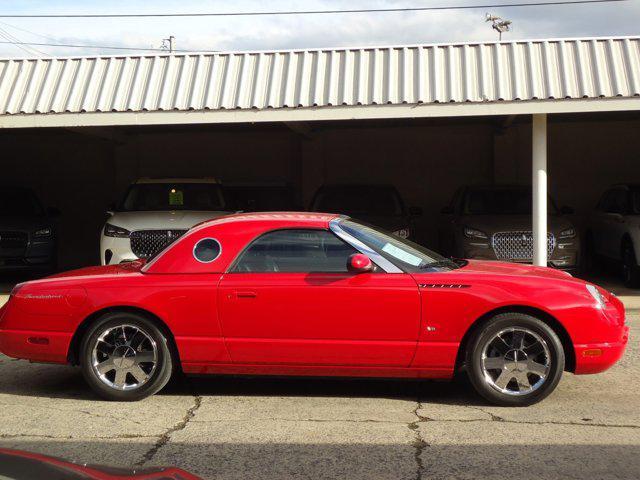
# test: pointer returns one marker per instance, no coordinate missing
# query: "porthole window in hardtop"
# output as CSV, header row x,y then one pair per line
x,y
296,251
207,250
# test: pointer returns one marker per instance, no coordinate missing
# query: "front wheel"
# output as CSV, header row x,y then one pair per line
x,y
125,357
515,360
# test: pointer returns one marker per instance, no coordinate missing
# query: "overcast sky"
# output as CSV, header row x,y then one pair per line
x,y
303,31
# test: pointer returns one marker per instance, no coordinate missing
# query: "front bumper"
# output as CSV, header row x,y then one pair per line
x,y
38,255
598,357
114,250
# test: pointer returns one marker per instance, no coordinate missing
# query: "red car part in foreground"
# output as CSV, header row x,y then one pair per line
x,y
314,294
19,465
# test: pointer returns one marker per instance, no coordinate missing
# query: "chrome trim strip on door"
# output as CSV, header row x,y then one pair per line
x,y
378,259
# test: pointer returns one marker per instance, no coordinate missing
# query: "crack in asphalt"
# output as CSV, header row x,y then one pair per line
x,y
166,436
419,444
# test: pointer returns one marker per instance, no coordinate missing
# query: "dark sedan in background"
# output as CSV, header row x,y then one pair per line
x,y
28,241
494,223
379,205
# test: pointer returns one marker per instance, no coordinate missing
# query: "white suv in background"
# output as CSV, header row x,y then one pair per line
x,y
155,212
613,231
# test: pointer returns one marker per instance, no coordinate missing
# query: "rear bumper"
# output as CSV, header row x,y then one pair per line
x,y
598,357
36,346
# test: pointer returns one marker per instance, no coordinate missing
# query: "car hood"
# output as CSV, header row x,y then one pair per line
x,y
505,268
173,219
24,223
491,224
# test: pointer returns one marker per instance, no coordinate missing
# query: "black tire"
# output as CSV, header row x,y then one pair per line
x,y
630,270
521,323
158,375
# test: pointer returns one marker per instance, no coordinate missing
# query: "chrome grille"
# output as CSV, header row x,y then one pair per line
x,y
518,245
146,243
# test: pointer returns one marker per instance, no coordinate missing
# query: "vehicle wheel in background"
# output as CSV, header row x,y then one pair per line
x,y
125,356
515,360
630,270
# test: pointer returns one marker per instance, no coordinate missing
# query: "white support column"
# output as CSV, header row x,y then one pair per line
x,y
539,184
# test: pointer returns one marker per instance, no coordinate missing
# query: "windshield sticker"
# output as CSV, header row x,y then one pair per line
x,y
176,197
400,254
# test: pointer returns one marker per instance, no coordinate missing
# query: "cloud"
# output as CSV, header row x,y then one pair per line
x,y
313,31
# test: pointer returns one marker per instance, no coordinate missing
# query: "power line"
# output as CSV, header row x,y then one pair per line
x,y
104,47
309,12
19,43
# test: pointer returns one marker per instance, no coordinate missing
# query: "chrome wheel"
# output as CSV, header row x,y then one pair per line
x,y
516,361
124,357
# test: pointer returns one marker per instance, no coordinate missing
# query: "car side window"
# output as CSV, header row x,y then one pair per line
x,y
615,201
295,251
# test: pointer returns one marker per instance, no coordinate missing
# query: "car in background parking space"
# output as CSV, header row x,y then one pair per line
x,y
613,231
156,212
494,223
28,237
379,205
262,197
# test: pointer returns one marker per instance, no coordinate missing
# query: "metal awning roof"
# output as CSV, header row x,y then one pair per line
x,y
317,81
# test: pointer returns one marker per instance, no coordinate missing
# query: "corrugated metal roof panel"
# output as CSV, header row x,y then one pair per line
x,y
460,73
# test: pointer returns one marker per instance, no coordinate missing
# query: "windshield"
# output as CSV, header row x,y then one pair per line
x,y
173,196
407,255
19,202
500,201
359,200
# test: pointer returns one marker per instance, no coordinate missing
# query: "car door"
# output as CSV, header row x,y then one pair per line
x,y
290,299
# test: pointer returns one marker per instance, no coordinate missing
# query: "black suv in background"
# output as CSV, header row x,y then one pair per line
x,y
379,205
27,232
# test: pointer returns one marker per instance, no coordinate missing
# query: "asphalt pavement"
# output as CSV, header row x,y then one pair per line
x,y
273,428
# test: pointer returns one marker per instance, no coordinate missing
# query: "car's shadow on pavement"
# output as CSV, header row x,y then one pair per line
x,y
56,381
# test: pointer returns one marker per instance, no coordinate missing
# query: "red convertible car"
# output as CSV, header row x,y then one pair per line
x,y
314,294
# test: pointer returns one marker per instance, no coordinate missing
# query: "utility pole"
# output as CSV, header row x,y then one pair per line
x,y
169,44
498,24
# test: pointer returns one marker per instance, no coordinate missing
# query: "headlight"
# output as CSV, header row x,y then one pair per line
x,y
402,233
568,233
43,232
473,233
597,296
113,231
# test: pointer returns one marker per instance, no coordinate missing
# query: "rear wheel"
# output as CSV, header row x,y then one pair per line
x,y
630,270
515,360
125,357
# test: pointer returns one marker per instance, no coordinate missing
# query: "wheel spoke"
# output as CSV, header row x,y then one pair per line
x,y
494,363
523,381
536,368
138,374
105,367
121,378
503,379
